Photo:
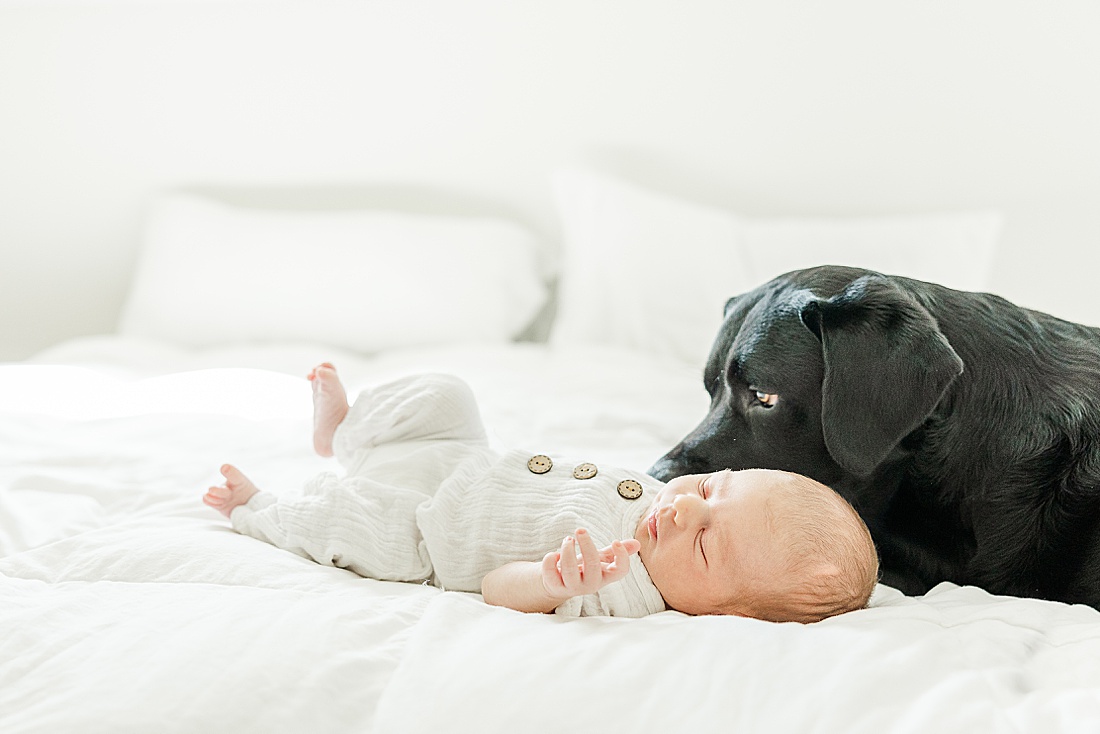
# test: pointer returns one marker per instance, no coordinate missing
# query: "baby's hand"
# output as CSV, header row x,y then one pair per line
x,y
564,576
237,490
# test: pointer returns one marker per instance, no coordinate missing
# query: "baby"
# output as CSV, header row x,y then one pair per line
x,y
424,498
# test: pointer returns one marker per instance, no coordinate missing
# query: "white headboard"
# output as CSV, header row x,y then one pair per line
x,y
780,107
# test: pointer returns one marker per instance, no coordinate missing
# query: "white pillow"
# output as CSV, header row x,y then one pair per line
x,y
365,280
646,270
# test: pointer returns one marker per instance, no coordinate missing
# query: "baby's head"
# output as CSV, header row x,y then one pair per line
x,y
757,543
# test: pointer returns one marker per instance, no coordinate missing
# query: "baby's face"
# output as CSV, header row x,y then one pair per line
x,y
708,534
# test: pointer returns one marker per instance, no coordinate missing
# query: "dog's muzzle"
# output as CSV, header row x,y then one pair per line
x,y
675,464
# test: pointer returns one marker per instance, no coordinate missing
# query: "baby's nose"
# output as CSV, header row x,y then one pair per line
x,y
691,510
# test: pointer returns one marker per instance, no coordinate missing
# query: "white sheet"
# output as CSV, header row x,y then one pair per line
x,y
126,605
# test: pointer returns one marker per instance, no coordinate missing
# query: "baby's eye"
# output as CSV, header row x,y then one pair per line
x,y
766,399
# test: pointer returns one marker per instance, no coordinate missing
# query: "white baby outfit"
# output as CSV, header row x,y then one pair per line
x,y
425,498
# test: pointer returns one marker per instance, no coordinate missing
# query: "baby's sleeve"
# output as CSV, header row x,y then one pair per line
x,y
582,606
604,603
348,523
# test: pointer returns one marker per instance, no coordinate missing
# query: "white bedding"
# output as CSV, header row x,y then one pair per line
x,y
128,606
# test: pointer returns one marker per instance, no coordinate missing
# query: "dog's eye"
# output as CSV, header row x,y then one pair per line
x,y
768,400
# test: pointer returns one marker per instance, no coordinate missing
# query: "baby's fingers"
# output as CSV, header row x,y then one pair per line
x,y
216,496
570,572
632,546
551,576
590,555
222,492
621,565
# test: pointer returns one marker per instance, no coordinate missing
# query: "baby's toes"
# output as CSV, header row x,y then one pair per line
x,y
322,370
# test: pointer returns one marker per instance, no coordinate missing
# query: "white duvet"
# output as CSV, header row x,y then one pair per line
x,y
128,606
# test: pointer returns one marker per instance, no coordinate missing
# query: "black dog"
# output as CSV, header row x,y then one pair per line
x,y
964,429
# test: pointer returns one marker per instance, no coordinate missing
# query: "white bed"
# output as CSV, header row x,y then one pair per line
x,y
551,199
128,606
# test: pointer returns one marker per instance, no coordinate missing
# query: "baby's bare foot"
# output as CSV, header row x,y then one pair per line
x,y
330,405
237,490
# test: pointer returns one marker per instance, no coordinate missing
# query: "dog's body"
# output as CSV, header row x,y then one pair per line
x,y
964,429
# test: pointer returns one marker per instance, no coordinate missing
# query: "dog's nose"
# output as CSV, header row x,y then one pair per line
x,y
673,465
661,470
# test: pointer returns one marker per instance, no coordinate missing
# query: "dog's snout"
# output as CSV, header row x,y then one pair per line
x,y
674,464
662,469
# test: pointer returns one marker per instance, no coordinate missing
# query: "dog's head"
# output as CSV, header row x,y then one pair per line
x,y
821,372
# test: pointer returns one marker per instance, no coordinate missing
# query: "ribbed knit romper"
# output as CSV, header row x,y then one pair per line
x,y
424,498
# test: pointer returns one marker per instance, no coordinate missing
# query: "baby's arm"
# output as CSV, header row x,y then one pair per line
x,y
542,586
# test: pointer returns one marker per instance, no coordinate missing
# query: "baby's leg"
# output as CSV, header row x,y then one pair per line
x,y
417,407
411,432
330,405
237,490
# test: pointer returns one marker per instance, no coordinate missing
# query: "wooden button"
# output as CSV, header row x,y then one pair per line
x,y
540,464
629,489
584,471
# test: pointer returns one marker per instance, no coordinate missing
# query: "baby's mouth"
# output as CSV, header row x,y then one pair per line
x,y
653,525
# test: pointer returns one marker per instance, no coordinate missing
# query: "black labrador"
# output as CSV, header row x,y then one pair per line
x,y
964,429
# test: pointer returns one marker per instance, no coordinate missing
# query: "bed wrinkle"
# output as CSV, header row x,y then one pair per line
x,y
400,602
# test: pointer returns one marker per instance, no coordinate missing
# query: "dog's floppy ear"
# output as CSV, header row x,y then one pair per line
x,y
887,364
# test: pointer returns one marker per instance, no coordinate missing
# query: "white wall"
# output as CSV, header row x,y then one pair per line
x,y
842,107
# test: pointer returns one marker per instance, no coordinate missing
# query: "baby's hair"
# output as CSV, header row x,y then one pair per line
x,y
830,566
